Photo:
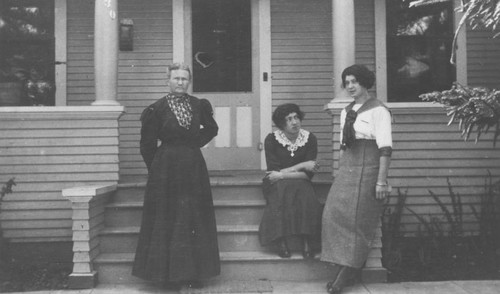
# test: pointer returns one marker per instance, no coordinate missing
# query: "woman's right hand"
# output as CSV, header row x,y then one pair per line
x,y
274,176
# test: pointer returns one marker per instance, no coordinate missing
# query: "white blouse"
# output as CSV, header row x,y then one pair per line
x,y
373,124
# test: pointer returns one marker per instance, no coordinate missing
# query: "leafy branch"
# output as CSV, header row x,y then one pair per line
x,y
7,189
480,14
473,107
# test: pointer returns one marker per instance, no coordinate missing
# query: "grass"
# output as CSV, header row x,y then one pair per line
x,y
441,250
24,276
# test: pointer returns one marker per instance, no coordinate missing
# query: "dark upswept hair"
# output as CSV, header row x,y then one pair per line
x,y
363,75
283,110
176,66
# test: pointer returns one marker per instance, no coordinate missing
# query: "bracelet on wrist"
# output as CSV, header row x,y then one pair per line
x,y
382,184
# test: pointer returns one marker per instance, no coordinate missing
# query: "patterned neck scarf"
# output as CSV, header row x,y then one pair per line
x,y
182,109
348,133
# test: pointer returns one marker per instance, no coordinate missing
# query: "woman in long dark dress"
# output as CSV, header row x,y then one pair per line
x,y
292,208
355,201
178,238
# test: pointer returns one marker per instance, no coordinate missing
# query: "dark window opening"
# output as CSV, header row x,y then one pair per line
x,y
222,46
27,53
418,49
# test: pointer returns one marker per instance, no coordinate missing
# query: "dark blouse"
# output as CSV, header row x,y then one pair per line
x,y
159,122
279,157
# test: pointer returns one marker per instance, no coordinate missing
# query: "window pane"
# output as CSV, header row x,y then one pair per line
x,y
27,50
418,49
222,56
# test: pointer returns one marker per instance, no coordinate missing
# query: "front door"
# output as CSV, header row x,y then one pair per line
x,y
223,45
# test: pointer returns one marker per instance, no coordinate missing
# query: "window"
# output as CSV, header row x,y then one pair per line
x,y
418,49
222,43
27,52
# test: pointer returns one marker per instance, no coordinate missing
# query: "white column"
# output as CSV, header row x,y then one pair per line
x,y
106,52
178,30
60,32
343,29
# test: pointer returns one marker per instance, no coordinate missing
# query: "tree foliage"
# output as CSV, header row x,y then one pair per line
x,y
475,108
479,14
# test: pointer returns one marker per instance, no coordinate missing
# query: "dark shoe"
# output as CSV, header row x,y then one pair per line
x,y
307,252
345,277
283,250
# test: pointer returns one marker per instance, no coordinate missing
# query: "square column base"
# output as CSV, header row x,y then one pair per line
x,y
82,281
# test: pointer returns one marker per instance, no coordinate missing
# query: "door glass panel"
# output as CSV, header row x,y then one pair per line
x,y
418,49
222,55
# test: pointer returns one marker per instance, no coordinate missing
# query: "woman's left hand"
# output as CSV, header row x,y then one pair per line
x,y
382,191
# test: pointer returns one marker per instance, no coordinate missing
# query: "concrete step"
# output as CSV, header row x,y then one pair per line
x,y
116,268
227,212
231,238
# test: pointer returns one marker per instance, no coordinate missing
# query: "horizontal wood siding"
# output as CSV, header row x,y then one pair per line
x,y
80,52
426,153
48,152
142,74
483,59
301,45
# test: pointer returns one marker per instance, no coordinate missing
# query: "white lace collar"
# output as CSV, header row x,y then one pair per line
x,y
292,147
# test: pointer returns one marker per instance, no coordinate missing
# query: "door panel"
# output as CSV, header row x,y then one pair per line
x,y
224,46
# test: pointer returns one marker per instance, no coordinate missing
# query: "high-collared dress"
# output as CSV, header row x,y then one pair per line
x,y
352,213
291,204
178,236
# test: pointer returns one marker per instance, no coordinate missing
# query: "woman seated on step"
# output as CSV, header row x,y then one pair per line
x,y
292,208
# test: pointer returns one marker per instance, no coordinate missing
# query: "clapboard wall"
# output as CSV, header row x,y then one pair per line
x,y
301,58
483,59
47,149
141,72
426,153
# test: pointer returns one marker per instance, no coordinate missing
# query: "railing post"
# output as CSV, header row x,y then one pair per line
x,y
87,203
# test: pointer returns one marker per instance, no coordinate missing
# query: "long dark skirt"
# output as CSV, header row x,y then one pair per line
x,y
291,209
178,236
352,213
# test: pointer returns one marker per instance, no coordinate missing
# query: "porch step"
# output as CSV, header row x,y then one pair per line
x,y
250,190
235,212
231,238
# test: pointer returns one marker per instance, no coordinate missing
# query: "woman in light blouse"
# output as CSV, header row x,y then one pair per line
x,y
355,201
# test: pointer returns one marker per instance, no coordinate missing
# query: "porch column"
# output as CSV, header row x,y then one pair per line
x,y
343,29
106,52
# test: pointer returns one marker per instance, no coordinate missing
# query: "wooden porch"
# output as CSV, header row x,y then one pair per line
x,y
238,205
